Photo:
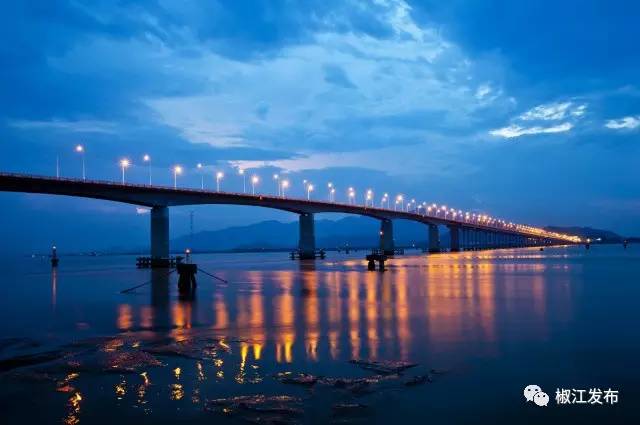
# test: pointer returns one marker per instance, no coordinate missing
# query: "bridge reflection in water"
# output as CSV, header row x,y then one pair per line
x,y
433,305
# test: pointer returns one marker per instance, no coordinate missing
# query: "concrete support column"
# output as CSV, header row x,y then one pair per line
x,y
454,233
386,237
434,238
307,237
159,232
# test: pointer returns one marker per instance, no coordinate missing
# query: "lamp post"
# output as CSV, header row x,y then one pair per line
x,y
285,185
330,187
199,166
176,170
254,182
219,176
400,200
276,177
352,195
146,158
332,194
80,150
244,180
124,163
309,190
368,198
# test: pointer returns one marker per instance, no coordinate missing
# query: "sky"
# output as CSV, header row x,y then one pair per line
x,y
528,111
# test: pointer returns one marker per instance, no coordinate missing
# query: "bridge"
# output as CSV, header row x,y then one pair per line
x,y
467,231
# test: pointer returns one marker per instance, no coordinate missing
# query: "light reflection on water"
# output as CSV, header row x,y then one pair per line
x,y
444,311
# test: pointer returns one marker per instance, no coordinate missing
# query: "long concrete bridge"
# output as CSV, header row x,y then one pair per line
x,y
466,231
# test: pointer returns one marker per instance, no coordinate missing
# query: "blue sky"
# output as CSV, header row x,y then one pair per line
x,y
525,110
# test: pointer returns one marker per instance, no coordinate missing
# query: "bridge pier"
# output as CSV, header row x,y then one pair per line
x,y
387,245
160,233
307,237
454,234
434,238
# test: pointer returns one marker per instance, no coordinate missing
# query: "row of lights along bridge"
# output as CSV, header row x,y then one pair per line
x,y
282,185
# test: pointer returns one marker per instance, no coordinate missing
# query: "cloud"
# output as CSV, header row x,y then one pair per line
x,y
513,130
335,75
482,91
624,123
522,124
553,111
82,126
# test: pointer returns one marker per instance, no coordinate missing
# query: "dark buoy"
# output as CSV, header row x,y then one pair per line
x,y
625,243
541,249
54,257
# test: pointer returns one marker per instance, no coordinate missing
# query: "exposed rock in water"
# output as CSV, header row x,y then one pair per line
x,y
29,359
17,343
345,409
358,385
383,366
190,349
418,380
263,409
297,379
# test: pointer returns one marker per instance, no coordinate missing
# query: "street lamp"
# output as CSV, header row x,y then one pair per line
x,y
400,199
332,194
330,187
309,190
176,170
80,150
276,177
352,195
146,158
199,167
244,180
254,182
285,185
124,163
219,176
368,198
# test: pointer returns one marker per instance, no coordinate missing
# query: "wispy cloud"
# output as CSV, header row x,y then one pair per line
x,y
513,130
624,123
553,111
81,126
568,112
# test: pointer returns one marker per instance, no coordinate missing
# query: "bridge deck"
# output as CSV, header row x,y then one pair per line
x,y
150,196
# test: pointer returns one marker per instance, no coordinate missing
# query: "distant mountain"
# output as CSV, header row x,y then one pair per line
x,y
361,232
356,232
588,232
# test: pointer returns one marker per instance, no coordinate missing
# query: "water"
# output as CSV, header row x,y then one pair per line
x,y
489,323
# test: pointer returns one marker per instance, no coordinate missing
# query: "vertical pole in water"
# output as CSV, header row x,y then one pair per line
x,y
386,237
307,238
160,233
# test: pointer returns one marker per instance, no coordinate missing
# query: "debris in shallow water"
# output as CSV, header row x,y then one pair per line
x,y
418,380
297,379
383,366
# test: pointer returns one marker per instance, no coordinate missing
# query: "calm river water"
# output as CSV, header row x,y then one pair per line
x,y
479,327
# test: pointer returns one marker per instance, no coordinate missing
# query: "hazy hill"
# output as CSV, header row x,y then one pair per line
x,y
588,232
354,231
